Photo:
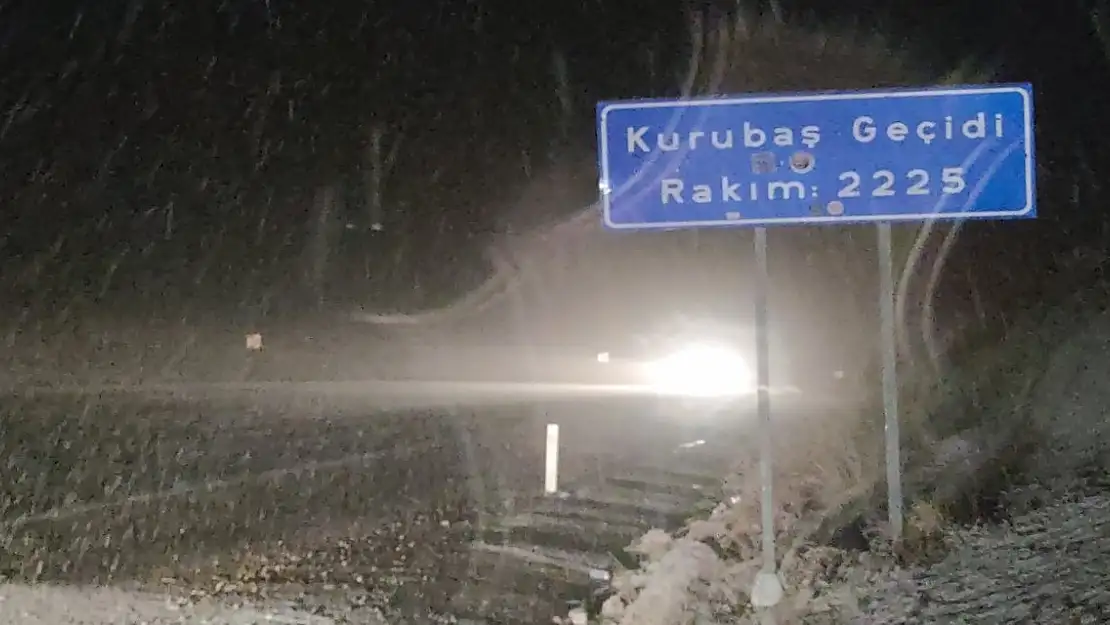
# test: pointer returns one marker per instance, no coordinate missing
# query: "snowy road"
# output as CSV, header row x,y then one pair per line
x,y
319,500
221,496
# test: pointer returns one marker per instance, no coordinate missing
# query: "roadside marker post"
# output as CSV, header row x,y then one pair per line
x,y
812,159
551,460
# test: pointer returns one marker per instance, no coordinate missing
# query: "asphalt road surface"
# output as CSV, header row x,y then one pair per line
x,y
332,502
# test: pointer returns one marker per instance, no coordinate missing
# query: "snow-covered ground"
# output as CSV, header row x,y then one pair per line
x,y
1044,559
1044,563
73,605
1047,566
1043,420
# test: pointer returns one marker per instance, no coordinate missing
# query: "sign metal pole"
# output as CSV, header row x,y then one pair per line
x,y
767,591
763,400
890,383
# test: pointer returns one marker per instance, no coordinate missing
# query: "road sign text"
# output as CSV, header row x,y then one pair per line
x,y
959,152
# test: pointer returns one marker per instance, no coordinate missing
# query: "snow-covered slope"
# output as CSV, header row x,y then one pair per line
x,y
1048,561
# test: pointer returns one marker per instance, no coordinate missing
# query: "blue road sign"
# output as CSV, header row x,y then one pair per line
x,y
817,158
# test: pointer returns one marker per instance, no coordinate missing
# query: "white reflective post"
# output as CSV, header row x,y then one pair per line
x,y
551,460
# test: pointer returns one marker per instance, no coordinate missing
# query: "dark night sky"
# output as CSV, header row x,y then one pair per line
x,y
182,143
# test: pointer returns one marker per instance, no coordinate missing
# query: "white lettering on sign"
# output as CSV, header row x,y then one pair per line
x,y
886,183
729,191
640,139
866,130
760,142
853,184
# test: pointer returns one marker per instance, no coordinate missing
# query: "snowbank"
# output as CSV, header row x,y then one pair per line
x,y
1045,560
684,581
1049,566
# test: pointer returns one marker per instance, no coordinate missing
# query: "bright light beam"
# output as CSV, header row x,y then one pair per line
x,y
701,371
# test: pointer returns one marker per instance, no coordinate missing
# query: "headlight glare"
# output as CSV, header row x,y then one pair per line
x,y
701,371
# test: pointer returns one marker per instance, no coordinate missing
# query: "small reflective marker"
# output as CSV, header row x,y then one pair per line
x,y
551,465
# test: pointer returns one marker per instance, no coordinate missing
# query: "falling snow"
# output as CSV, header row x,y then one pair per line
x,y
194,427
